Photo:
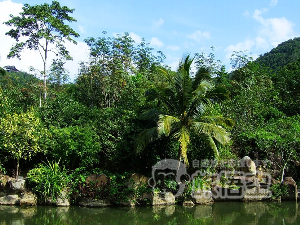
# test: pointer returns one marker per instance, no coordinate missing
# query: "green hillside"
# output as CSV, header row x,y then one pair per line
x,y
283,54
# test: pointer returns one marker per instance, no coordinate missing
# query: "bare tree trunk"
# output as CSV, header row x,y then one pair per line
x,y
18,165
45,75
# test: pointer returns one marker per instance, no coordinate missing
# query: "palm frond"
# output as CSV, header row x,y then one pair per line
x,y
166,124
212,145
144,138
218,120
203,73
202,89
215,131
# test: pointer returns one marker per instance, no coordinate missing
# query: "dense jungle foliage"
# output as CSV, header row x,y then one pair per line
x,y
126,110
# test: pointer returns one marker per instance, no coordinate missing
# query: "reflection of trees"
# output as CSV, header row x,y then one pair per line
x,y
219,213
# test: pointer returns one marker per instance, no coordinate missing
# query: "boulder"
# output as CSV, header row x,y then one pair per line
x,y
16,185
188,203
3,181
137,180
257,194
98,179
89,202
248,166
202,197
28,199
292,189
63,199
165,199
10,200
227,194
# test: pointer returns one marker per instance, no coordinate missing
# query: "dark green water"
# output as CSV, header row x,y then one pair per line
x,y
219,213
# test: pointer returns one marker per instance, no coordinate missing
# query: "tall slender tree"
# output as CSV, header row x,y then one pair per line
x,y
44,30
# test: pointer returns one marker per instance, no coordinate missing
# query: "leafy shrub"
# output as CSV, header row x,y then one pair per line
x,y
279,190
48,180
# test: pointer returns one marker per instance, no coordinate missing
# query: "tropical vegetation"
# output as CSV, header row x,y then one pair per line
x,y
126,110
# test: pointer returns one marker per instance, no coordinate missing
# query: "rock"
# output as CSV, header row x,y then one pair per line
x,y
292,189
274,181
203,211
188,203
130,202
203,197
257,194
10,200
89,202
28,199
137,180
3,181
227,194
98,179
16,185
248,166
63,199
166,199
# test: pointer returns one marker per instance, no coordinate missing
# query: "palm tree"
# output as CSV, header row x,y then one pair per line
x,y
185,101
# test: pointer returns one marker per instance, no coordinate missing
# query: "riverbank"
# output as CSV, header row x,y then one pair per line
x,y
136,192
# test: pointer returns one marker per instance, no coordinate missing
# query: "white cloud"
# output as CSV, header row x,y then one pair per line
x,y
79,52
273,3
30,58
137,39
173,47
81,29
246,13
274,30
271,32
158,23
248,44
199,35
156,42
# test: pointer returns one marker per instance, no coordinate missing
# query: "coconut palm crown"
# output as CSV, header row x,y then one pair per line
x,y
186,98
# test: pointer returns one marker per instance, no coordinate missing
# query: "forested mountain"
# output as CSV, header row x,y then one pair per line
x,y
285,53
284,61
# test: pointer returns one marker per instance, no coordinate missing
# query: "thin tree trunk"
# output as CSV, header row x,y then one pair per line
x,y
17,172
45,76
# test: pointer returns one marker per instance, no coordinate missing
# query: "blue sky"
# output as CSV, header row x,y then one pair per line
x,y
174,27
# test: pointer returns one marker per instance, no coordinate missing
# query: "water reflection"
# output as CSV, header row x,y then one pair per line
x,y
219,213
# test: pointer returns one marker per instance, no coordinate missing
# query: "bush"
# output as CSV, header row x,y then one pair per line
x,y
48,180
279,190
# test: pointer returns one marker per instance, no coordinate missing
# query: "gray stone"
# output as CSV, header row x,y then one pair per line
x,y
248,166
163,199
292,189
202,197
89,202
3,181
63,199
16,185
10,200
257,194
28,199
98,179
188,203
137,180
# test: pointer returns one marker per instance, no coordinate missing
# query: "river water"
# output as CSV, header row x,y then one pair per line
x,y
219,213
